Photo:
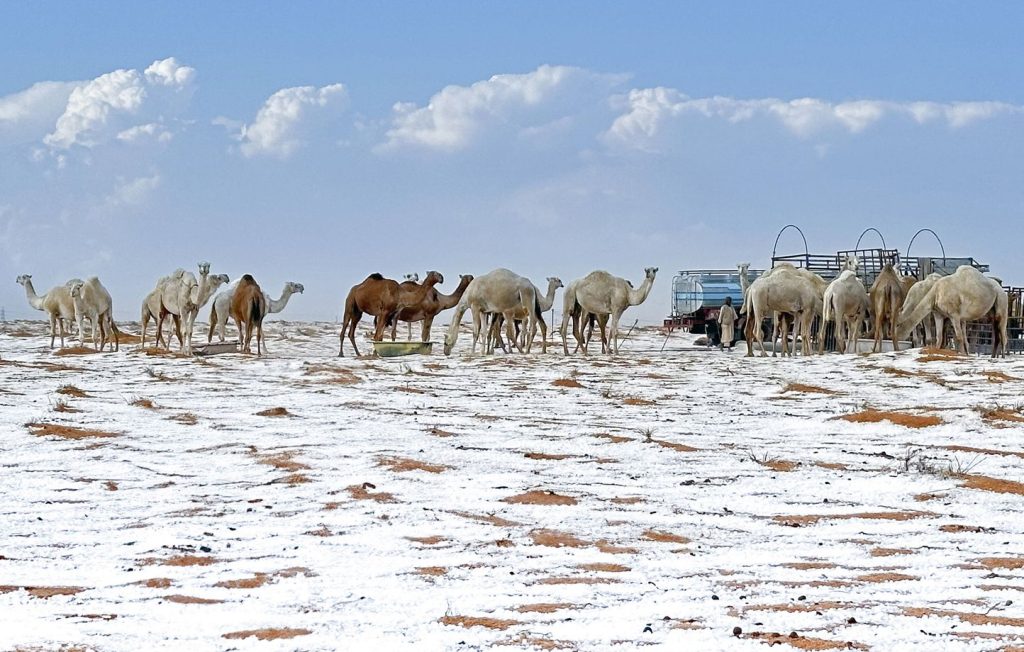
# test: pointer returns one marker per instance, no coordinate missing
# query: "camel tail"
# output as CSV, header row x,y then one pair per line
x,y
213,321
912,315
256,309
827,309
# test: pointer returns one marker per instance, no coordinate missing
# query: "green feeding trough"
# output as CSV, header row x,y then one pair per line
x,y
392,349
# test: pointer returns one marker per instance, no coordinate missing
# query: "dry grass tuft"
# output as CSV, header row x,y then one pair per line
x,y
187,418
679,448
432,571
783,466
610,549
76,350
999,377
890,552
282,460
636,400
545,456
43,592
999,413
71,390
540,498
437,432
362,492
489,519
665,537
190,599
403,464
269,634
807,389
428,541
556,539
604,567
67,432
615,439
811,519
544,607
1004,563
566,382
144,403
878,578
180,560
834,466
967,617
898,418
997,485
62,406
957,528
274,412
478,621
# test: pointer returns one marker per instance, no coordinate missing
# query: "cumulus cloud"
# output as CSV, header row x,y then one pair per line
x,y
151,131
457,114
131,192
645,113
287,117
26,115
116,102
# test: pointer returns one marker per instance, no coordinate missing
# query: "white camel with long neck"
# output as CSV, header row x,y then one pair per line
x,y
498,291
933,328
221,306
184,296
93,301
963,296
56,303
846,301
544,303
606,297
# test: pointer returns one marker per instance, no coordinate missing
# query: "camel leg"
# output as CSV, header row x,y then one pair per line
x,y
159,328
878,332
894,317
428,321
510,332
543,336
961,340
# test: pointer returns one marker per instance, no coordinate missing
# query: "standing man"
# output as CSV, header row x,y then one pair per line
x,y
727,320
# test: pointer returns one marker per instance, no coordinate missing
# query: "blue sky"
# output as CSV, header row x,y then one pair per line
x,y
319,142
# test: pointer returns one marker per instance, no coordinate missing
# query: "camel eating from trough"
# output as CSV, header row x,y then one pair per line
x,y
963,296
383,298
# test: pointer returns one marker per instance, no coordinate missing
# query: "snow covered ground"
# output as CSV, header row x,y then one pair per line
x,y
661,498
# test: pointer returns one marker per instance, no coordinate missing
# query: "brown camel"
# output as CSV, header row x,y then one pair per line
x,y
432,304
383,298
248,306
886,297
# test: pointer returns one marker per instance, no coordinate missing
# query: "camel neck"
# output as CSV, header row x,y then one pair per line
x,y
277,305
34,299
639,295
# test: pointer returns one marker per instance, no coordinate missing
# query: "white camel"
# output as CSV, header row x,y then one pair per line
x,y
784,289
544,303
846,301
221,306
152,307
184,296
934,327
92,301
605,297
56,303
499,291
963,296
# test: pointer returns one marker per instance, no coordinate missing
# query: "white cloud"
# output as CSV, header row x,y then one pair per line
x,y
26,115
457,114
285,119
131,192
117,101
151,131
645,113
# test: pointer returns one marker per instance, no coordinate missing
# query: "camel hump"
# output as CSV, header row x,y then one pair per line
x,y
376,276
248,279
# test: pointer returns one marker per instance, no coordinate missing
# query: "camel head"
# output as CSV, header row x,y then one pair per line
x,y
465,280
435,278
23,279
448,344
294,288
649,272
204,268
76,289
218,280
851,262
743,267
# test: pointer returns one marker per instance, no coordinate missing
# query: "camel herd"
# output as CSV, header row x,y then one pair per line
x,y
896,305
498,298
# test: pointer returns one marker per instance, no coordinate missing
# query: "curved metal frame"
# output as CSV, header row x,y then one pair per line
x,y
789,226
937,238
856,247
